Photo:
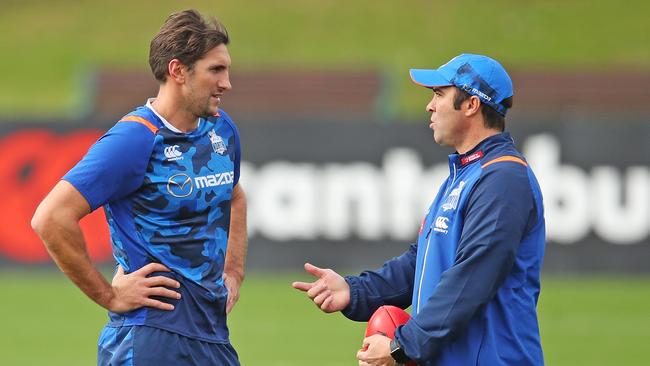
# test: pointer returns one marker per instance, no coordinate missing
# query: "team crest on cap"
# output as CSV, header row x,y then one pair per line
x,y
217,143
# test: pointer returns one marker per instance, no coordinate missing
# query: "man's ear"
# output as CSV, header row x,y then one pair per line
x,y
472,106
177,71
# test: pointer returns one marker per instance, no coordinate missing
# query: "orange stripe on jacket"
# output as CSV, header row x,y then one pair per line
x,y
513,159
137,119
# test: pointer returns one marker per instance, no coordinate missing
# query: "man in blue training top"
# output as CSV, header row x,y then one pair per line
x,y
167,176
473,276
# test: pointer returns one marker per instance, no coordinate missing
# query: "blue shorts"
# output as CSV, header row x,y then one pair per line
x,y
142,345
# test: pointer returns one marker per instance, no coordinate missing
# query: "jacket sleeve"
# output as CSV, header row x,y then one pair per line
x,y
499,211
392,284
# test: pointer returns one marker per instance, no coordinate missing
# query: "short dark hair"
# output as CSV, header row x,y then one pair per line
x,y
492,118
186,36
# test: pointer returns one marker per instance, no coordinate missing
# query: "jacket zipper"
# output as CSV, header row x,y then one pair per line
x,y
426,252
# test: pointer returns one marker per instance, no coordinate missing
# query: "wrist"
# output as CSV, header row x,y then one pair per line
x,y
235,275
108,298
397,353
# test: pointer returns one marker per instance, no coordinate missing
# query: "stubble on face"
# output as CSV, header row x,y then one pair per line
x,y
198,99
207,81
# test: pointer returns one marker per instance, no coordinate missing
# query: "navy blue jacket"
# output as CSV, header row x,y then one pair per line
x,y
473,277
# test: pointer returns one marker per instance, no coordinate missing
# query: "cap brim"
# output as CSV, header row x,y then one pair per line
x,y
428,78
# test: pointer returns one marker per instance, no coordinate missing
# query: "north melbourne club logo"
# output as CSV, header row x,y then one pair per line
x,y
180,185
217,143
452,201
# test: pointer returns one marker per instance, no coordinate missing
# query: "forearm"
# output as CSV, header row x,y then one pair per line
x,y
392,284
64,241
238,237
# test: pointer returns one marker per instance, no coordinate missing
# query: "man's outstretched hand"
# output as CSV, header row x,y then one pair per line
x,y
330,292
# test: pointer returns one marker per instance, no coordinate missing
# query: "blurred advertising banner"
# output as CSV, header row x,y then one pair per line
x,y
33,160
351,195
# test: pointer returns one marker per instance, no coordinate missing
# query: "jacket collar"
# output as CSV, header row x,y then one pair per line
x,y
480,150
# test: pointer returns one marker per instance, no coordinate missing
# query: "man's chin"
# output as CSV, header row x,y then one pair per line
x,y
213,110
439,140
209,113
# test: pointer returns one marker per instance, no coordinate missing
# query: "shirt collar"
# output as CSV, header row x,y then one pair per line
x,y
163,120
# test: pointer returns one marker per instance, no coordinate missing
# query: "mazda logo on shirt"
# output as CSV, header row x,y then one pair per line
x,y
180,185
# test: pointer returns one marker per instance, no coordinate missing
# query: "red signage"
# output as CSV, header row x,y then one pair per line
x,y
33,161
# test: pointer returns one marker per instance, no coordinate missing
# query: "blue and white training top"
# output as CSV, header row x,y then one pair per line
x,y
473,277
167,195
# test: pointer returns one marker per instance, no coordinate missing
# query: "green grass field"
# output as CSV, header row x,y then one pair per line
x,y
593,321
50,46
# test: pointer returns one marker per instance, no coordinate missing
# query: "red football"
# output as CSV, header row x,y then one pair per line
x,y
385,320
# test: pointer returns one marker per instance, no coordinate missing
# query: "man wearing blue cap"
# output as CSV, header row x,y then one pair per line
x,y
473,276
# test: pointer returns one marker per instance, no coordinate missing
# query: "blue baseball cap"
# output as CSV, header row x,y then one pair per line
x,y
476,74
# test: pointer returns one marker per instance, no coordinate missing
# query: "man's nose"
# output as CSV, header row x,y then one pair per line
x,y
431,107
225,83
